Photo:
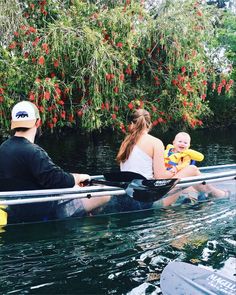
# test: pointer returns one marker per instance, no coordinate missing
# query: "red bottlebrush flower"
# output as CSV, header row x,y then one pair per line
x,y
113,116
184,92
16,34
156,78
71,117
102,106
61,102
54,120
219,89
41,109
155,123
46,95
31,96
107,106
122,77
108,77
203,96
223,82
128,71
53,75
154,109
183,70
32,30
41,61
195,73
26,54
231,82
202,70
31,6
57,90
1,90
130,106
80,113
50,125
191,104
56,63
199,13
161,120
213,86
204,82
116,89
36,41
227,87
1,99
119,45
63,114
174,82
116,108
44,46
12,45
185,103
185,117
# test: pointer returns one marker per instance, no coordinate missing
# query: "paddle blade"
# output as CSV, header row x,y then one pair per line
x,y
180,278
151,190
123,176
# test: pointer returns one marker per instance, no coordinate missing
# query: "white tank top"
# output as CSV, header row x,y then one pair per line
x,y
138,162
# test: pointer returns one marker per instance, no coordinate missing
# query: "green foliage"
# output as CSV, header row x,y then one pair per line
x,y
88,65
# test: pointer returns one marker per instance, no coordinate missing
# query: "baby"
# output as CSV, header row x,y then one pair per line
x,y
178,155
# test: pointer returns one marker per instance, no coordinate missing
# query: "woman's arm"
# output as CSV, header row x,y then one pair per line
x,y
159,168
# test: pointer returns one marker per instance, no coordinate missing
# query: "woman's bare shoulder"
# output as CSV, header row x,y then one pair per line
x,y
153,139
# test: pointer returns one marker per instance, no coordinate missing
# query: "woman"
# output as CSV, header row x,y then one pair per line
x,y
143,153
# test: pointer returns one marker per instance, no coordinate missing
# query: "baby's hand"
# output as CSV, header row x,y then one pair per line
x,y
173,170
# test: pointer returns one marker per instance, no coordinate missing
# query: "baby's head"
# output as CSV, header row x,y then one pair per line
x,y
181,142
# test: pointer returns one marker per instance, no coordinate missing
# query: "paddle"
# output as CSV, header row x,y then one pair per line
x,y
136,186
180,278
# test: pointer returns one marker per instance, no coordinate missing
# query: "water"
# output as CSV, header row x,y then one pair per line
x,y
118,254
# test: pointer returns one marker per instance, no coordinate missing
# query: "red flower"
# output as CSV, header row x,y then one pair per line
x,y
54,120
213,86
46,95
116,108
113,116
183,70
122,77
130,106
119,45
31,96
56,63
12,45
41,61
128,71
203,96
116,89
80,113
63,114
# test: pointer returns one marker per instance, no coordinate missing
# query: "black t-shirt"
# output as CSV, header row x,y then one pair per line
x,y
29,164
26,166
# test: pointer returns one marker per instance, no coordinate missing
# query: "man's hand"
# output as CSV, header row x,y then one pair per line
x,y
80,178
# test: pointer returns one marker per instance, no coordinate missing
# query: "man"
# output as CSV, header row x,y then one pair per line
x,y
26,166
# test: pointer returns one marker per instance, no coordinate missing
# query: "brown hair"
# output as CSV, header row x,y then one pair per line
x,y
141,121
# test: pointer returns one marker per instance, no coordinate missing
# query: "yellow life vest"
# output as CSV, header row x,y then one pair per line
x,y
3,215
181,160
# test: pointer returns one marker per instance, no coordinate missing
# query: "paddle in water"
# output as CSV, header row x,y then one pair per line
x,y
136,186
180,278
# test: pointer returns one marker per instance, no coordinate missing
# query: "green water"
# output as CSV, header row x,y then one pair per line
x,y
118,254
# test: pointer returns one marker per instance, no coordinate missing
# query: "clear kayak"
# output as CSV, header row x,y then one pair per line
x,y
27,205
